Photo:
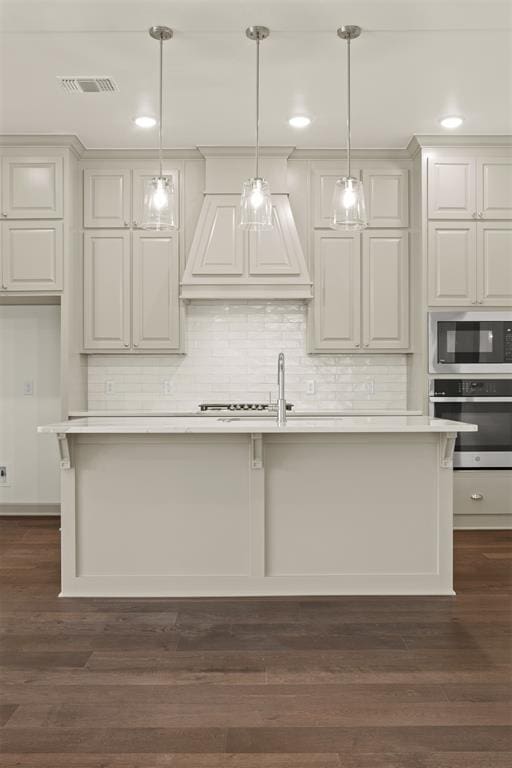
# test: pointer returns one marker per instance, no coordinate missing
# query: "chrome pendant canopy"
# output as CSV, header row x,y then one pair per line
x,y
159,194
256,202
348,204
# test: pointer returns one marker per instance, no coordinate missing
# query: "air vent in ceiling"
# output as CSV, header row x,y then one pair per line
x,y
88,84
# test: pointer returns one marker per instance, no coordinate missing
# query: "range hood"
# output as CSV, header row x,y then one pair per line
x,y
226,262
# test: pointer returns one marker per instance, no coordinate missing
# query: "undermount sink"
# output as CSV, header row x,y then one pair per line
x,y
290,417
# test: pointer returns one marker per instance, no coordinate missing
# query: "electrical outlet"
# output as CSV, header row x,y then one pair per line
x,y
370,386
109,387
28,388
167,386
3,475
310,387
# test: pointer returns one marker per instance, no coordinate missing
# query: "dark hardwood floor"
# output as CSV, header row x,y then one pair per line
x,y
255,683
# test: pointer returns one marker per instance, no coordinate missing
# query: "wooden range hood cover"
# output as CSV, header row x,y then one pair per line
x,y
226,262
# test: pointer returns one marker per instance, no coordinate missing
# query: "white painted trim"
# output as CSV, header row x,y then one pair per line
x,y
415,145
482,522
20,509
248,152
38,140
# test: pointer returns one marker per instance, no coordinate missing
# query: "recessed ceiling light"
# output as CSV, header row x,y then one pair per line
x,y
145,122
299,121
451,122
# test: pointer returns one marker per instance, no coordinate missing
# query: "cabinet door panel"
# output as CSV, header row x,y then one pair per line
x,y
270,251
452,264
140,178
106,198
32,187
451,188
156,309
494,251
106,290
33,256
494,188
385,290
324,177
337,295
387,197
218,247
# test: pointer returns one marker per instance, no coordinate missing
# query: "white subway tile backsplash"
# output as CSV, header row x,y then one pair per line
x,y
231,356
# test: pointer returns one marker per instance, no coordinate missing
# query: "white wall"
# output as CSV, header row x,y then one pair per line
x,y
231,356
29,351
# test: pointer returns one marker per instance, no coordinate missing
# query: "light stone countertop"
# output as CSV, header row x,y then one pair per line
x,y
297,412
256,424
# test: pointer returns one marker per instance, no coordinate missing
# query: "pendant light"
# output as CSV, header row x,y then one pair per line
x,y
256,203
349,210
159,194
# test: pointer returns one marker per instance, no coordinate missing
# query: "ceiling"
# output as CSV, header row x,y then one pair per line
x,y
414,63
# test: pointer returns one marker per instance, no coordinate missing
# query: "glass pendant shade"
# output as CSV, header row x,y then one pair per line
x,y
349,209
159,204
256,205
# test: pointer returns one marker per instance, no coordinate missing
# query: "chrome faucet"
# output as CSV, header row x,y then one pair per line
x,y
281,400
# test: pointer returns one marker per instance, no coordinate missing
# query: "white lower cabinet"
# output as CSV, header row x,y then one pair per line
x,y
131,298
106,290
32,255
482,492
385,289
470,263
155,276
360,302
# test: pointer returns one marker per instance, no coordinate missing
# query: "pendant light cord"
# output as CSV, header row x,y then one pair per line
x,y
160,106
257,108
348,107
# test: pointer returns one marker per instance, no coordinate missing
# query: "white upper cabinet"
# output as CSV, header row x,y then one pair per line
x,y
385,289
155,276
32,256
336,306
470,188
494,264
324,176
451,188
494,188
387,197
32,188
140,178
107,198
106,290
451,263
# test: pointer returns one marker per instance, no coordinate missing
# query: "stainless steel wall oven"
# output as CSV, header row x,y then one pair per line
x,y
486,402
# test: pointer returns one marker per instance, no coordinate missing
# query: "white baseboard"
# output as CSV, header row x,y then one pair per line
x,y
26,510
482,522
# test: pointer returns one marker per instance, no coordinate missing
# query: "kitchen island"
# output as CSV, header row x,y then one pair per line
x,y
156,506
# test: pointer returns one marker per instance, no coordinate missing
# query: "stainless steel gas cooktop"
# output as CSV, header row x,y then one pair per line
x,y
240,406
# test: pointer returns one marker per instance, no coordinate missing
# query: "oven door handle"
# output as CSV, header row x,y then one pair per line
x,y
470,399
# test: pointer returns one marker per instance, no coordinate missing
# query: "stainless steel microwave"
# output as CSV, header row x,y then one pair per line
x,y
470,342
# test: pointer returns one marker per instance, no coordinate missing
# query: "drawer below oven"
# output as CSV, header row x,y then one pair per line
x,y
482,492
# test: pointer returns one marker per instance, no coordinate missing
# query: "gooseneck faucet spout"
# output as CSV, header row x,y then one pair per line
x,y
281,399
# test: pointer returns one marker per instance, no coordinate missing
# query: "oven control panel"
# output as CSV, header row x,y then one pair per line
x,y
507,344
472,388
